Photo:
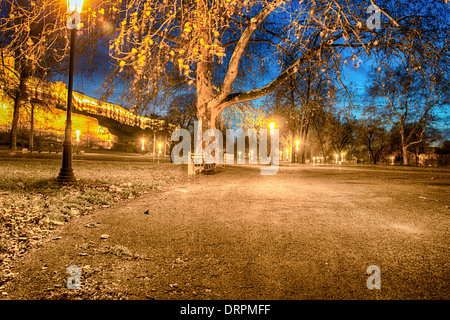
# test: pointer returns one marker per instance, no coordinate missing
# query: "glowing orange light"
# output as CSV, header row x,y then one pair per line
x,y
272,127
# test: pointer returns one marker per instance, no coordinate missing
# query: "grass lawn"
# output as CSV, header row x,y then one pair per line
x,y
32,203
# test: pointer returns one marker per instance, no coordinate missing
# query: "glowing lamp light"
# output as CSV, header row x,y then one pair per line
x,y
143,144
297,142
74,5
342,154
287,154
337,157
272,127
160,145
78,135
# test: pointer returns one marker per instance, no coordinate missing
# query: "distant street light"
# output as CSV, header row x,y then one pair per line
x,y
287,154
160,145
297,142
73,22
342,155
337,158
143,144
272,127
272,130
78,132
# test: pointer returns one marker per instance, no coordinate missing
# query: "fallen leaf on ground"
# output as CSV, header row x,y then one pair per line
x,y
92,225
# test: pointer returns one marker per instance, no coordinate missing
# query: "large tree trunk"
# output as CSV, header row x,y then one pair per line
x,y
303,141
372,154
405,155
404,148
206,108
15,121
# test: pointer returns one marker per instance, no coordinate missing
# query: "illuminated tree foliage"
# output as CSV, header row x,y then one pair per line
x,y
33,37
212,44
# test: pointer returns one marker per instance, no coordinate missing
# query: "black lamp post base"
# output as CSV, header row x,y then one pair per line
x,y
66,171
66,175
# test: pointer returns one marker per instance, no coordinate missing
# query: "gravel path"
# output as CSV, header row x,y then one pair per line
x,y
305,233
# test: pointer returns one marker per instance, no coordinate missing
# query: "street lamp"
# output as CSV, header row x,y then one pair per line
x,y
73,22
160,145
337,158
78,132
143,144
297,142
272,127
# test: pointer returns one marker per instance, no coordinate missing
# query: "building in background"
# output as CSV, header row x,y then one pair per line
x,y
98,124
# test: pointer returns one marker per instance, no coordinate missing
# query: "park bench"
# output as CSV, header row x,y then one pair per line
x,y
49,146
195,167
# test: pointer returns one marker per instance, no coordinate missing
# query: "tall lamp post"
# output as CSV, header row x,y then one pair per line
x,y
66,172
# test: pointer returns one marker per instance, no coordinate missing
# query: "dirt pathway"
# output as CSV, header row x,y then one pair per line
x,y
305,233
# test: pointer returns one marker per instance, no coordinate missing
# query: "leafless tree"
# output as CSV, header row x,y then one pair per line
x,y
407,99
371,133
